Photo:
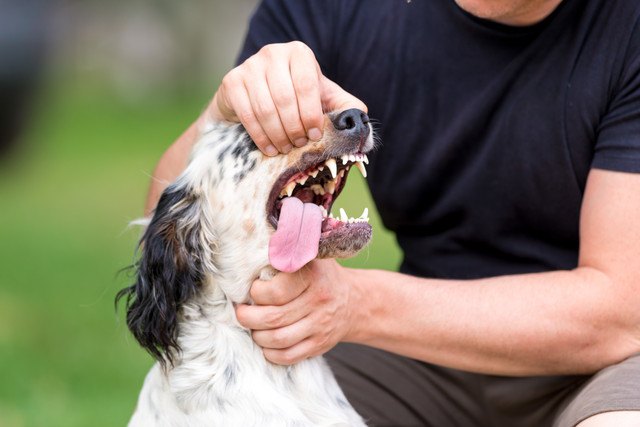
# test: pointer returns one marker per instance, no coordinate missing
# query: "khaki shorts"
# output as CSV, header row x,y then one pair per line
x,y
390,390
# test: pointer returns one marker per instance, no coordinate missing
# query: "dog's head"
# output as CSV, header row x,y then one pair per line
x,y
217,226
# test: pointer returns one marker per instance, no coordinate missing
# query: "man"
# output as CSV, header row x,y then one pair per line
x,y
509,172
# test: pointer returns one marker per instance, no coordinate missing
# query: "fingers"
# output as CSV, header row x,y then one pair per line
x,y
278,291
305,75
284,96
294,354
237,107
265,110
284,337
277,95
259,318
335,98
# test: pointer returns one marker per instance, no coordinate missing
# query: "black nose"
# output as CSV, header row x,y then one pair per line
x,y
354,122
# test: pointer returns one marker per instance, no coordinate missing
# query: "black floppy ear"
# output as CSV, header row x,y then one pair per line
x,y
169,272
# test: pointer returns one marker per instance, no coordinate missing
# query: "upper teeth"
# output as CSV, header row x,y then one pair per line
x,y
333,167
330,186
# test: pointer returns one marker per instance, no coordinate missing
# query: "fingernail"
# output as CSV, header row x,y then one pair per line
x,y
300,142
270,150
287,148
315,134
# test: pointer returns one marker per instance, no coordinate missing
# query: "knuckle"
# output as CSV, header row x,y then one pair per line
x,y
278,296
295,131
274,319
246,116
231,79
270,50
306,85
323,295
299,46
264,108
282,97
287,357
278,339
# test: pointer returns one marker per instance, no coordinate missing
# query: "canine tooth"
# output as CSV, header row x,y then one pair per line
x,y
302,180
333,167
343,216
330,187
362,169
289,188
365,213
313,173
365,158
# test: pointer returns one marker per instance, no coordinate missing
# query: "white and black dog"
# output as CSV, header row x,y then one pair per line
x,y
231,217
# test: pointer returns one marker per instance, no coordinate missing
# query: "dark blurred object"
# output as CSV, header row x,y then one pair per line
x,y
24,27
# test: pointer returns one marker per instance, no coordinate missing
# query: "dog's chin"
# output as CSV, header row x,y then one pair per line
x,y
344,240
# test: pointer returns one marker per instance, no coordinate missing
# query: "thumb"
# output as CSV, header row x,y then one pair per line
x,y
335,98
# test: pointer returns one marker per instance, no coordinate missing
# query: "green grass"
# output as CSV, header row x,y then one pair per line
x,y
66,358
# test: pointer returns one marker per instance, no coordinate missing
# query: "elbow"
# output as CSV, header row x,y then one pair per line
x,y
611,324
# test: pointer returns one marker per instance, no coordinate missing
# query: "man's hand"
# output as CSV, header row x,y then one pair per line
x,y
302,314
279,95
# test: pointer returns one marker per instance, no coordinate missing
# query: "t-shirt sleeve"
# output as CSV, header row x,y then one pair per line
x,y
617,146
281,21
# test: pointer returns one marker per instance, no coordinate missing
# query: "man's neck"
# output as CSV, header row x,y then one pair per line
x,y
510,12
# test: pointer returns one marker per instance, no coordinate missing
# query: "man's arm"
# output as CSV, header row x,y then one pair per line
x,y
560,322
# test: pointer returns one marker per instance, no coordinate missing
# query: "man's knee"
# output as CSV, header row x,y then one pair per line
x,y
613,419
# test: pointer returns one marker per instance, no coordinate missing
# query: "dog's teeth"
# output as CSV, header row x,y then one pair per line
x,y
352,158
330,187
341,173
343,216
314,173
320,168
289,188
362,169
365,213
365,159
333,167
324,211
317,189
331,216
345,159
302,180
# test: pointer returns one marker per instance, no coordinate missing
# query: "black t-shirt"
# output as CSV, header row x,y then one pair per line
x,y
488,131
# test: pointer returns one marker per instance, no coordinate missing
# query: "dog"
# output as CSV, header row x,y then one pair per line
x,y
230,218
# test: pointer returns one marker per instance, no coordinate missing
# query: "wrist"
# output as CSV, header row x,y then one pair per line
x,y
359,305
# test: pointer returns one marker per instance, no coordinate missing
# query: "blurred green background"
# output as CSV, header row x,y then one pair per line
x,y
121,82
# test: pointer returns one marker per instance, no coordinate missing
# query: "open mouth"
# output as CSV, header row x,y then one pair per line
x,y
320,184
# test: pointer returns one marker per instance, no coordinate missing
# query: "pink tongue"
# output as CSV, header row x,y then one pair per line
x,y
295,242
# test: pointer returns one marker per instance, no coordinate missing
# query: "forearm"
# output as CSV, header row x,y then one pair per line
x,y
170,165
535,324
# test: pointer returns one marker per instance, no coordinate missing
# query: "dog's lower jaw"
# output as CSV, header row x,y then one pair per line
x,y
222,379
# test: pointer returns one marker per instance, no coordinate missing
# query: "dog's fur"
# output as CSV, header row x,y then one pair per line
x,y
206,243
